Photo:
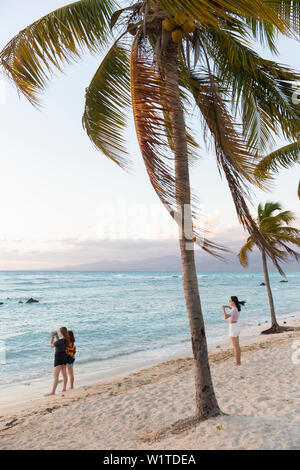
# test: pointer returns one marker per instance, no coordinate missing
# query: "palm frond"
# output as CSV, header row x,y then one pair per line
x,y
268,209
261,88
276,229
264,32
151,112
210,13
284,242
289,12
57,38
233,158
244,252
283,157
107,102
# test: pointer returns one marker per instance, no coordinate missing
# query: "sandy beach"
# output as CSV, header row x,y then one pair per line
x,y
260,399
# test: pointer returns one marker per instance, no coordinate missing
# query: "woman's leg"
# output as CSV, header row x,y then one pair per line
x,y
71,375
65,378
237,350
56,372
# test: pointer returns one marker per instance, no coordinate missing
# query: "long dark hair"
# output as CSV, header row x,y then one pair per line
x,y
71,336
238,302
65,334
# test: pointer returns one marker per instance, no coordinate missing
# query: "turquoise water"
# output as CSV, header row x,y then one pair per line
x,y
116,315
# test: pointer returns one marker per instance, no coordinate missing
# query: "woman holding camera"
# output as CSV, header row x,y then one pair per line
x,y
234,328
60,358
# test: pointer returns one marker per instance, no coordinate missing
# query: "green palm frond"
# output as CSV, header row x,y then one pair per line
x,y
298,192
262,88
107,102
56,38
277,230
210,13
283,157
268,209
264,32
234,159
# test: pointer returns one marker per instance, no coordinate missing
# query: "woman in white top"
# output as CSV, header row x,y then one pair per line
x,y
234,328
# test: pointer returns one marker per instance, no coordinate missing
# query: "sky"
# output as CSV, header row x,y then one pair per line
x,y
63,203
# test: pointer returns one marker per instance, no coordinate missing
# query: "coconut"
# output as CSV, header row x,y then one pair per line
x,y
177,35
188,26
168,25
180,18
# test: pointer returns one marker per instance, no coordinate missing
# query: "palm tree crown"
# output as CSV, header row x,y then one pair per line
x,y
274,224
243,99
276,227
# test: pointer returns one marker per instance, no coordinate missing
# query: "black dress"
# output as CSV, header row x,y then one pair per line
x,y
60,358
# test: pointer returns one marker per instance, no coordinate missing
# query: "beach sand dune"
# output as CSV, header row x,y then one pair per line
x,y
261,400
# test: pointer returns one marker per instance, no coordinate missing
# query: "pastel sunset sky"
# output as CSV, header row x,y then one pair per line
x,y
61,199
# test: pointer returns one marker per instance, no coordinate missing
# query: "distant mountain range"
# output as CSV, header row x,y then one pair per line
x,y
172,264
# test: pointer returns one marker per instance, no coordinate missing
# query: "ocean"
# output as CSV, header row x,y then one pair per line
x,y
118,318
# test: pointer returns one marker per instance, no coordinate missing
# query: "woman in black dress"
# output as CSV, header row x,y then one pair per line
x,y
60,358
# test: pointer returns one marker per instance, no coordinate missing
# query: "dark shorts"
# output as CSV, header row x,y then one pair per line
x,y
60,359
70,360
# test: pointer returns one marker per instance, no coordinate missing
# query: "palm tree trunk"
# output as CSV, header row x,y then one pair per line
x,y
206,402
274,324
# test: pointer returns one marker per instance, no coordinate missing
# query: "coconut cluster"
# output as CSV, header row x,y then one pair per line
x,y
180,26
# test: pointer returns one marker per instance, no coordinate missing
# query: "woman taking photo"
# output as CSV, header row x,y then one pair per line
x,y
60,358
234,328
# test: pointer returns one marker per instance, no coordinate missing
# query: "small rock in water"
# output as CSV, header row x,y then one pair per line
x,y
31,301
20,302
284,280
262,284
1,303
258,324
218,347
284,322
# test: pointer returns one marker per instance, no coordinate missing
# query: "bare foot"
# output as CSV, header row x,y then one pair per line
x,y
49,394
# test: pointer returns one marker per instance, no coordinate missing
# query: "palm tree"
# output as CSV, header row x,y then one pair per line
x,y
161,56
283,157
276,228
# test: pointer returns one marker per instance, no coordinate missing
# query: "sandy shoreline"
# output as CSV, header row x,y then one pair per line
x,y
24,393
263,396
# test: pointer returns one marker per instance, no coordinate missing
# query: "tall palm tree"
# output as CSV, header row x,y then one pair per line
x,y
284,157
276,228
163,55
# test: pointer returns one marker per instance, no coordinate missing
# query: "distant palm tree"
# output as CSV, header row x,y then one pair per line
x,y
166,55
284,157
276,228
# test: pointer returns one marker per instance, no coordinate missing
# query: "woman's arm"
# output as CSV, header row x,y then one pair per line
x,y
224,311
52,338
